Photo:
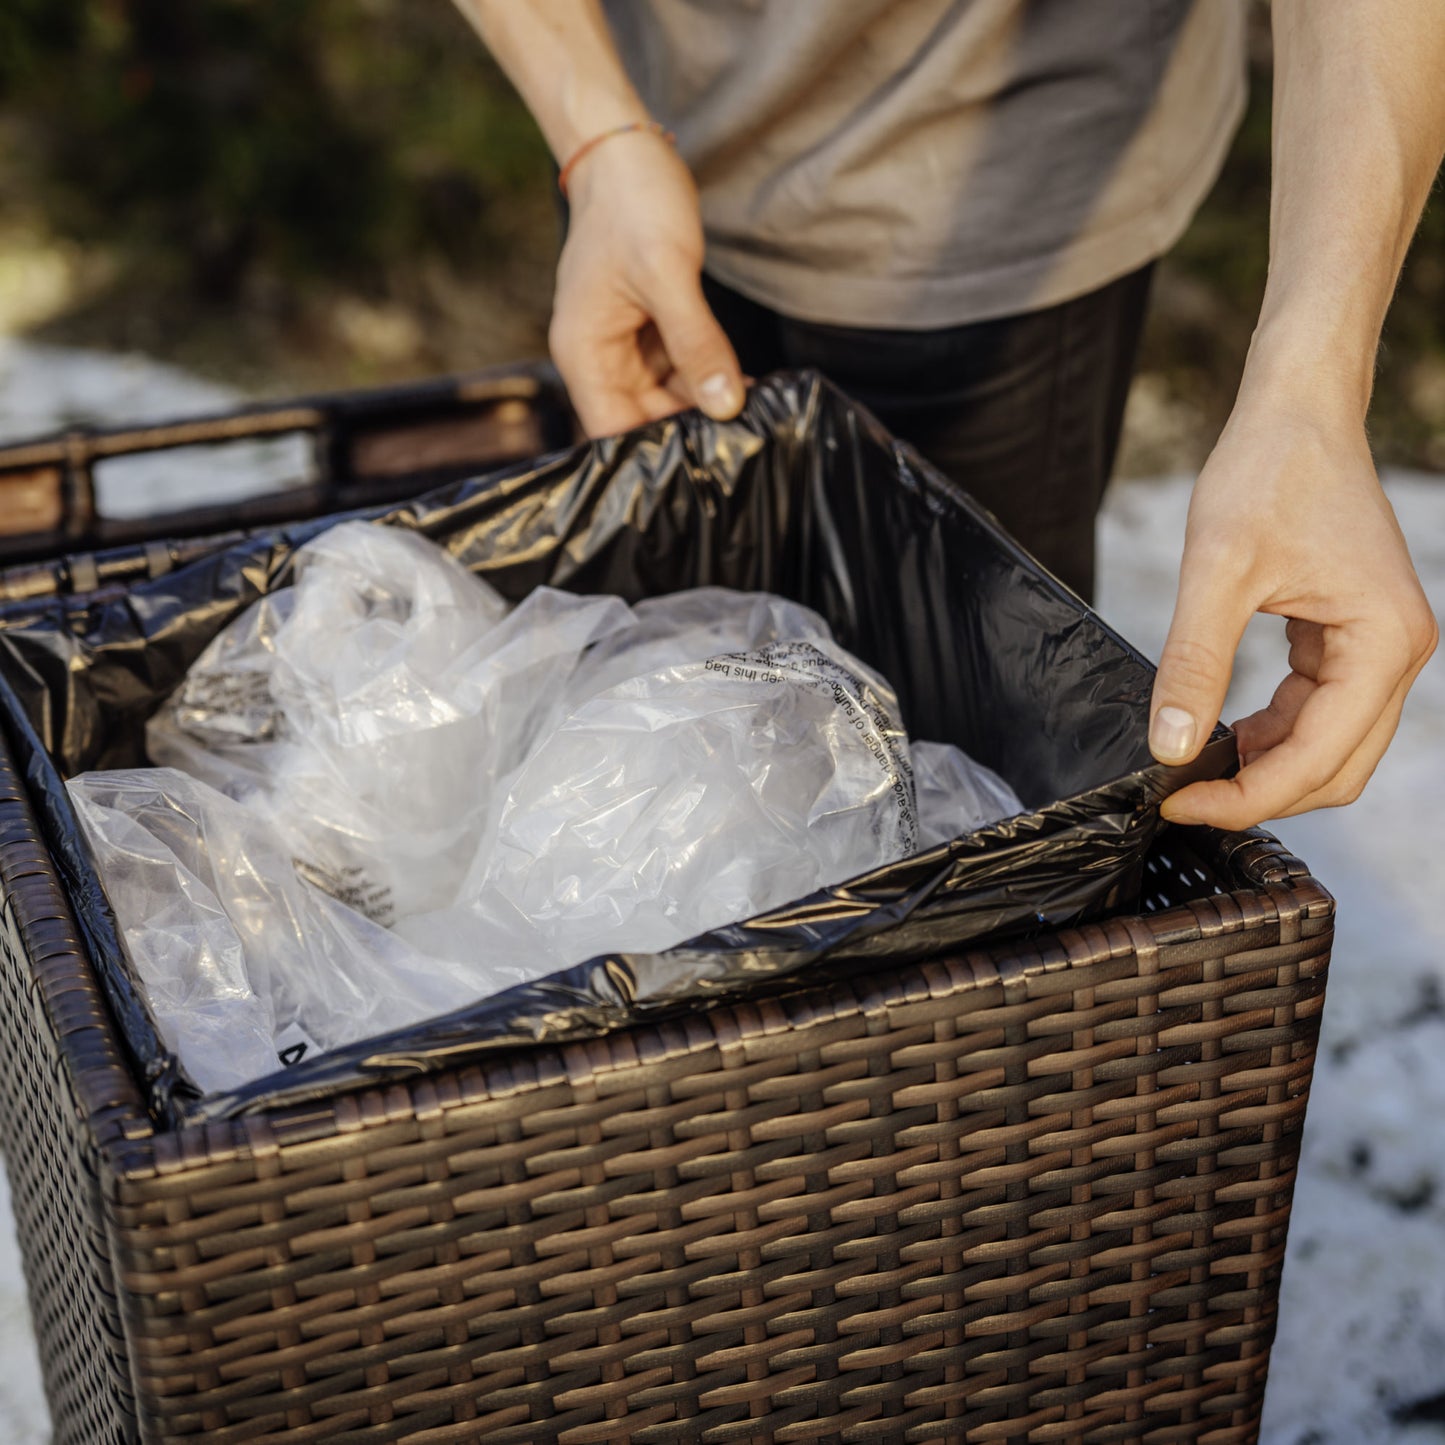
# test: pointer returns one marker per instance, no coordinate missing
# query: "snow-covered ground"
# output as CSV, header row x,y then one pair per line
x,y
1360,1357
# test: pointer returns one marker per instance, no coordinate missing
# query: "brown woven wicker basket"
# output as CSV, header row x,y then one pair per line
x,y
1037,1192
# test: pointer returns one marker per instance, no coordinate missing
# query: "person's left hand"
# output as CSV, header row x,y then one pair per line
x,y
1288,518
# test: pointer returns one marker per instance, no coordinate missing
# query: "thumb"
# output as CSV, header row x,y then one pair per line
x,y
1210,616
698,347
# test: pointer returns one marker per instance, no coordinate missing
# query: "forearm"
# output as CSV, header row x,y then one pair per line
x,y
561,57
1359,129
631,331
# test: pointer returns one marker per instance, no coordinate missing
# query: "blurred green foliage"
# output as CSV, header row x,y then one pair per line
x,y
327,137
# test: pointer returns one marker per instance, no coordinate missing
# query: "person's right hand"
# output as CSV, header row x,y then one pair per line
x,y
631,333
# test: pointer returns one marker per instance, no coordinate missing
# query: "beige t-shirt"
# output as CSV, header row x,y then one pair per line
x,y
924,163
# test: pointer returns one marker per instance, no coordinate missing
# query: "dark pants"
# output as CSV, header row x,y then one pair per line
x,y
1024,411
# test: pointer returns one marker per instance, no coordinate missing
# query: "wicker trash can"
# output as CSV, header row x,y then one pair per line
x,y
1031,1190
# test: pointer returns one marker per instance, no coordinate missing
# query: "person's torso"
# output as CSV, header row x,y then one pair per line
x,y
917,162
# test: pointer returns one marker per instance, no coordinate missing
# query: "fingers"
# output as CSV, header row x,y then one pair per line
x,y
1340,728
1242,801
698,348
607,411
1349,782
627,362
1194,669
611,390
1306,645
1271,725
615,398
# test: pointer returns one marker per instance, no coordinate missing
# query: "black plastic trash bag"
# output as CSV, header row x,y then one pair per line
x,y
803,495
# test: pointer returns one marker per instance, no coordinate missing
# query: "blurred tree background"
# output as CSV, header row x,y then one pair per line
x,y
312,196
285,196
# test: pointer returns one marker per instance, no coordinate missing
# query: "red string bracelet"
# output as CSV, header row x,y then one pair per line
x,y
649,127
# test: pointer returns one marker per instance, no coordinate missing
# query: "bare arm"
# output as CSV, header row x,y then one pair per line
x,y
1288,516
631,333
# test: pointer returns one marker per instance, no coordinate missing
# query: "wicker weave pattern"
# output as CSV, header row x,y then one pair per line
x,y
47,1024
1036,1197
1037,1193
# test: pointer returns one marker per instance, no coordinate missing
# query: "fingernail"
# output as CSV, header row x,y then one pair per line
x,y
720,396
1184,820
1171,735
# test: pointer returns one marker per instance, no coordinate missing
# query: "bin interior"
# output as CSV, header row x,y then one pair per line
x,y
803,495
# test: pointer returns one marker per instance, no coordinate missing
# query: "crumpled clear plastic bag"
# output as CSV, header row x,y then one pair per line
x,y
384,794
370,710
690,797
242,958
689,627
955,794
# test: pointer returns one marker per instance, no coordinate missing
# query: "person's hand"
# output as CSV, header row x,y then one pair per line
x,y
631,333
1288,518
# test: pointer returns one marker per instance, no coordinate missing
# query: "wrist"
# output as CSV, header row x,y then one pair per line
x,y
631,167
649,129
1309,373
587,110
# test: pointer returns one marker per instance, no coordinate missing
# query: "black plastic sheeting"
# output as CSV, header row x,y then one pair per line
x,y
804,495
